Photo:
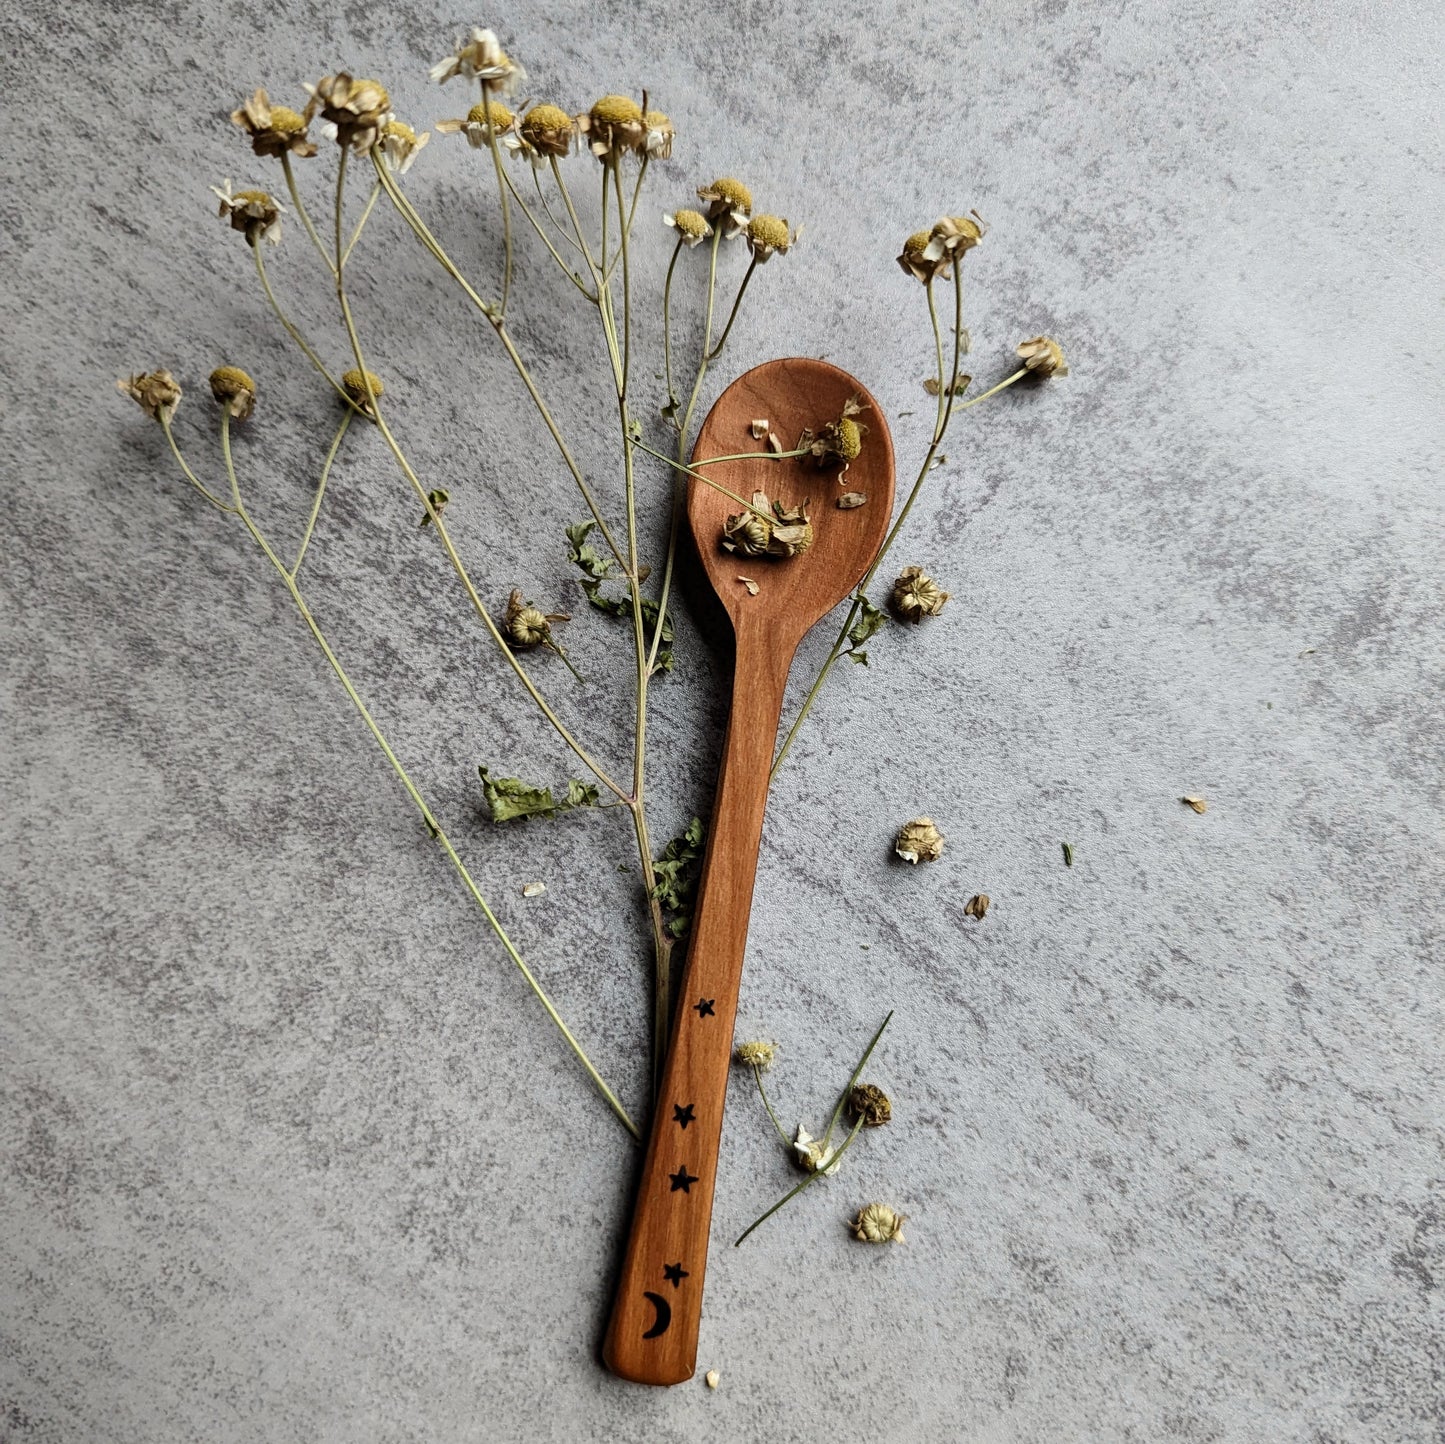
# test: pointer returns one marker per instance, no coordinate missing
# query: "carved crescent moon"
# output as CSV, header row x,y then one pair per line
x,y
664,1315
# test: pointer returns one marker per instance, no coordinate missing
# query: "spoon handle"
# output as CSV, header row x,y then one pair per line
x,y
653,1334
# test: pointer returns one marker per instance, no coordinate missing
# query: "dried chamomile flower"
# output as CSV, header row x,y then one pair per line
x,y
869,1103
255,213
919,841
691,226
1043,356
976,906
155,392
401,144
812,1157
786,533
481,58
657,136
545,130
916,595
274,129
878,1224
957,234
839,441
613,127
355,109
923,257
474,124
770,235
757,1054
731,202
234,390
361,388
528,626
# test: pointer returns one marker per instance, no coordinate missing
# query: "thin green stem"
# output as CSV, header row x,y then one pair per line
x,y
190,475
753,456
294,332
503,188
848,1086
706,480
544,237
302,214
667,326
439,526
361,224
763,1094
428,817
792,1193
733,314
572,216
320,492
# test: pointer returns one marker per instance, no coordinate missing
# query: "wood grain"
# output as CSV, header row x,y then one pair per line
x,y
654,1329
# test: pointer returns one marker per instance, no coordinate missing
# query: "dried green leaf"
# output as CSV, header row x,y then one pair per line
x,y
675,876
871,621
509,798
580,552
1068,854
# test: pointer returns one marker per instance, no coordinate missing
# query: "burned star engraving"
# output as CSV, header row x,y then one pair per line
x,y
703,1007
683,1116
674,1274
681,1179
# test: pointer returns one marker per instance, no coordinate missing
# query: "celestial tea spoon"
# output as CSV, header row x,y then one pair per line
x,y
652,1338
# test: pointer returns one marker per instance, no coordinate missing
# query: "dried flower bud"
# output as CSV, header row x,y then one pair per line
x,y
757,1054
356,109
361,388
657,135
878,1224
769,235
528,626
787,532
976,906
919,841
691,226
401,145
869,1103
234,390
923,257
274,129
958,234
481,58
1043,356
474,124
916,595
255,213
729,201
613,126
155,392
812,1157
546,130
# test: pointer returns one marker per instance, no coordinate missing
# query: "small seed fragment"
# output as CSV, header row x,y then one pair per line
x,y
713,1378
534,889
1197,803
750,584
850,499
976,906
760,428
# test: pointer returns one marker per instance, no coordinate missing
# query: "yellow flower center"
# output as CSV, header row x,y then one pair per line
x,y
656,120
253,198
616,110
916,244
355,385
769,231
286,121
849,439
734,192
691,223
229,380
379,99
546,118
400,130
501,117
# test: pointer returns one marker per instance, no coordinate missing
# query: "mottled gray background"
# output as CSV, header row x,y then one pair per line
x,y
288,1152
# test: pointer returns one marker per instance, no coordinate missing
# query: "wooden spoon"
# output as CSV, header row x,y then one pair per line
x,y
653,1334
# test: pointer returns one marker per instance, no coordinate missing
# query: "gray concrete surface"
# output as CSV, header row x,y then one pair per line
x,y
289,1154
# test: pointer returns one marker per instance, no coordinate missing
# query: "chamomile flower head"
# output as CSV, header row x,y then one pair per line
x,y
544,131
691,226
878,1223
155,392
527,625
769,236
957,234
841,440
401,144
923,257
362,387
481,58
255,213
474,124
1043,356
757,1054
657,135
730,202
355,110
234,390
273,129
916,595
613,127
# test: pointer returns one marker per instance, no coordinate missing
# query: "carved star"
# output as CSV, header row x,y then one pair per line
x,y
683,1116
703,1007
674,1274
681,1179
